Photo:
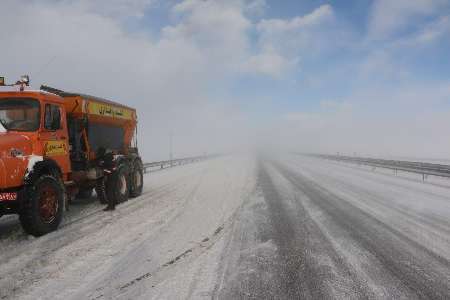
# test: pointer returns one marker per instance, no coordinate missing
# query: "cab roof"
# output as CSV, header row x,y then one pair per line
x,y
15,90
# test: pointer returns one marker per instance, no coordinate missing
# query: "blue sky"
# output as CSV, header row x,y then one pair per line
x,y
315,75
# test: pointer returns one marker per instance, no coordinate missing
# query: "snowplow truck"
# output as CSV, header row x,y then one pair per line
x,y
55,146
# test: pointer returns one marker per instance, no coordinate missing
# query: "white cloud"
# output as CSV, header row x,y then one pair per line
x,y
221,29
391,59
218,29
269,63
388,17
187,5
381,66
256,7
276,26
119,8
430,33
283,42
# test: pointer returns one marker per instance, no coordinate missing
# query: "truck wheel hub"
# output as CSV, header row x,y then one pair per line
x,y
48,204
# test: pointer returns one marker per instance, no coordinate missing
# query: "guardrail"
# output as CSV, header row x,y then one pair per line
x,y
174,162
425,169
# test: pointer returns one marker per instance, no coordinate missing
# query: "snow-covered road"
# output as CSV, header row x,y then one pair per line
x,y
244,227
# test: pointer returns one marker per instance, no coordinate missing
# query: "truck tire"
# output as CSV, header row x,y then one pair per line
x,y
85,193
136,179
117,185
42,211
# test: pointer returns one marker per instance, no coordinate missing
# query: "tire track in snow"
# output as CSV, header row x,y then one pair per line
x,y
422,273
273,249
190,253
322,246
33,253
112,281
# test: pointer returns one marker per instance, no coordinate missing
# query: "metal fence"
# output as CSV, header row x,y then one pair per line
x,y
422,168
174,162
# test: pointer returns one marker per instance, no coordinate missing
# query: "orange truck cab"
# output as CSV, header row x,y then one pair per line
x,y
55,146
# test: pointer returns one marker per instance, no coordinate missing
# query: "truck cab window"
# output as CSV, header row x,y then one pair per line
x,y
52,119
19,114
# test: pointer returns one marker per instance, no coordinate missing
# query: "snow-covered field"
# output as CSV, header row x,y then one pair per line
x,y
244,227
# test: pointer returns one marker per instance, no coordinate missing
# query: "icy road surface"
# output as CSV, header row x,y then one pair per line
x,y
244,227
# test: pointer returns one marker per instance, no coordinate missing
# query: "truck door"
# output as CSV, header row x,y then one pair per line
x,y
54,136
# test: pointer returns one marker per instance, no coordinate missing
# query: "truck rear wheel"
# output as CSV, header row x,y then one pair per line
x,y
137,179
43,210
117,189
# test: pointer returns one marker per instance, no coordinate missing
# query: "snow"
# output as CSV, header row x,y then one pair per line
x,y
99,254
2,129
32,160
197,228
402,202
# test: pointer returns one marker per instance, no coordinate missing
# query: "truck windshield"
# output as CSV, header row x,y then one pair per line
x,y
19,114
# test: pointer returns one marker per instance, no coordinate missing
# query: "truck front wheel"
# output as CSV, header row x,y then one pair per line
x,y
42,211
